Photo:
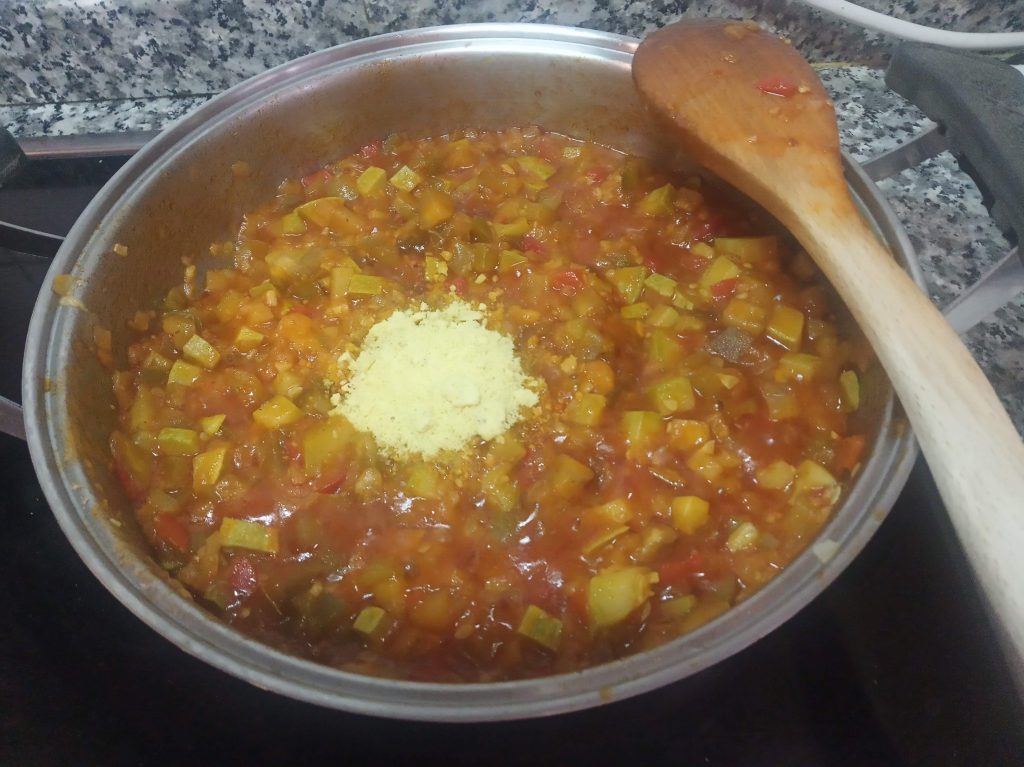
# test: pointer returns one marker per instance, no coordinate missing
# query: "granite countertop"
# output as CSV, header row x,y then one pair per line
x,y
97,67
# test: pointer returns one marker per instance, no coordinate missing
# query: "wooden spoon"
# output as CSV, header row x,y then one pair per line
x,y
748,107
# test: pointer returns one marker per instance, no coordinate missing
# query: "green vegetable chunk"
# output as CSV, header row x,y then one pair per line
x,y
248,535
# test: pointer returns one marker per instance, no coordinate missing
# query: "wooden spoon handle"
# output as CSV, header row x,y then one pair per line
x,y
972,447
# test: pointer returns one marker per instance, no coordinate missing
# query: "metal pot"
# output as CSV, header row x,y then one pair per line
x,y
179,194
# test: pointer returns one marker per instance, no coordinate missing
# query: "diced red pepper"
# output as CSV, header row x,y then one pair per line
x,y
371,150
459,283
679,570
598,174
170,530
300,309
777,86
332,483
567,282
133,490
724,288
849,452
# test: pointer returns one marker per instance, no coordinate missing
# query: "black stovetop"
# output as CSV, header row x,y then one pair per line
x,y
894,664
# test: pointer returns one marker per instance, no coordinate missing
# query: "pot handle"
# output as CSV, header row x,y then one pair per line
x,y
11,159
11,420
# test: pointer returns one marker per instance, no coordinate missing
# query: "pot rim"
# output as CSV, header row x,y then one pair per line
x,y
183,622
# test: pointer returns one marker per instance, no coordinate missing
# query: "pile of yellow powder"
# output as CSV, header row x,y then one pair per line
x,y
432,380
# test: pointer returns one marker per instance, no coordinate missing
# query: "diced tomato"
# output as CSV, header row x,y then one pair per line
x,y
171,531
371,150
532,245
598,174
849,452
709,228
724,288
679,570
243,576
319,177
777,86
133,490
301,309
567,282
332,482
459,283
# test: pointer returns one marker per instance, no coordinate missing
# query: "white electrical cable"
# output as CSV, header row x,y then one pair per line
x,y
880,22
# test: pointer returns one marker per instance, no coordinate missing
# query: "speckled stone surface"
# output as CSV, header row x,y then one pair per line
x,y
95,66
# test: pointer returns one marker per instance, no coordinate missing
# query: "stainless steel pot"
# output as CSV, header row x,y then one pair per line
x,y
179,194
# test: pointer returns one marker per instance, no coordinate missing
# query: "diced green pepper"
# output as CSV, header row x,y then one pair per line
x,y
516,228
540,627
242,534
658,202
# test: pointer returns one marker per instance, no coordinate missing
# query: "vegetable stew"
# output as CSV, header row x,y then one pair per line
x,y
690,436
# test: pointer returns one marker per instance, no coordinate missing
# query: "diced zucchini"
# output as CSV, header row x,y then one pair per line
x,y
211,424
775,476
516,228
616,592
567,476
144,412
406,179
663,351
635,311
689,513
371,181
705,462
687,435
604,538
641,427
174,441
247,339
814,479
207,468
748,250
499,490
423,481
679,607
744,315
199,350
587,410
662,317
292,223
332,213
616,511
780,400
510,259
435,206
242,534
721,269
325,443
849,385
703,250
658,202
744,538
276,412
288,384
365,285
786,327
156,362
535,166
540,627
672,395
370,619
660,284
797,366
627,281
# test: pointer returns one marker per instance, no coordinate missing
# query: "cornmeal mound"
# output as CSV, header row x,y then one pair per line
x,y
432,380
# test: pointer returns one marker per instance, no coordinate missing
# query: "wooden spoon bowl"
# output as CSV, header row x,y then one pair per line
x,y
747,106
